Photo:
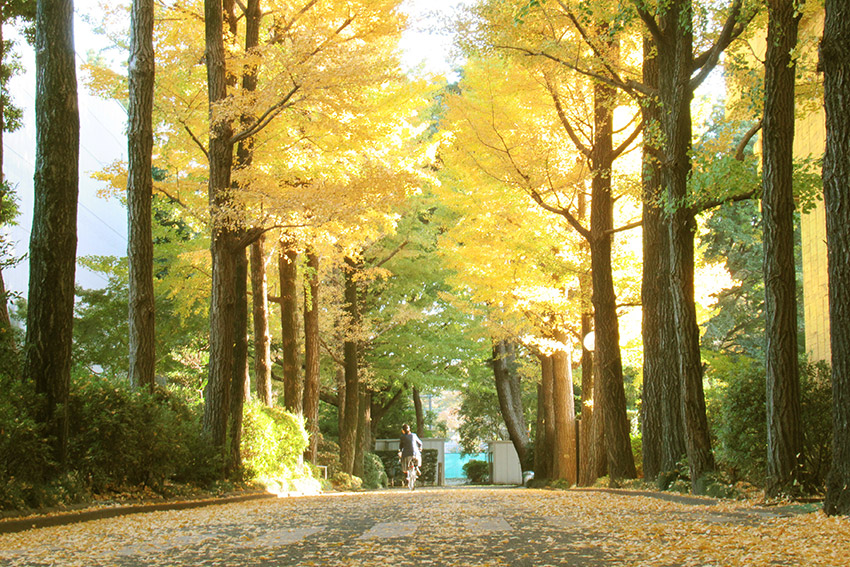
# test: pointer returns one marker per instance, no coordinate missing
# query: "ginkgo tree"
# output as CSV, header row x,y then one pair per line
x,y
562,158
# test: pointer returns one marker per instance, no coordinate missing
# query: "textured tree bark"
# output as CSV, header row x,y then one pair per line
x,y
351,356
223,242
262,335
420,413
608,363
364,430
311,353
141,72
784,427
240,384
835,61
675,66
662,427
510,399
53,240
565,422
544,448
293,387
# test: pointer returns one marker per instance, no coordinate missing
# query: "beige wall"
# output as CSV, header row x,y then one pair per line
x,y
809,139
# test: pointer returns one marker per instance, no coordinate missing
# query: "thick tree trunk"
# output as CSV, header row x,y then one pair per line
x,y
608,363
240,384
262,335
311,353
510,399
351,413
420,413
293,388
835,61
223,242
564,409
544,447
142,338
661,420
53,240
364,430
675,65
784,427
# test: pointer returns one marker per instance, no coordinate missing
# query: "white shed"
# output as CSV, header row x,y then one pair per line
x,y
504,463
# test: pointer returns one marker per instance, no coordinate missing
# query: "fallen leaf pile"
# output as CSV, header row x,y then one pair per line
x,y
457,527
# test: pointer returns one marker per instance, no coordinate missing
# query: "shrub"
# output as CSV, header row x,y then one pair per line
x,y
273,441
739,418
345,481
478,472
121,437
374,475
24,456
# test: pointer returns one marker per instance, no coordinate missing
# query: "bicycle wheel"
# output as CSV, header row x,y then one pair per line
x,y
411,477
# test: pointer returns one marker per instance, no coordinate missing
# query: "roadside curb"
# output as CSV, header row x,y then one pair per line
x,y
36,522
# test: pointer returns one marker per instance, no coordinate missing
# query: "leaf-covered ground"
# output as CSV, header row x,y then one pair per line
x,y
458,527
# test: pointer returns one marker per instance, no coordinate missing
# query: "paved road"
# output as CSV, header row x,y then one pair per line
x,y
452,527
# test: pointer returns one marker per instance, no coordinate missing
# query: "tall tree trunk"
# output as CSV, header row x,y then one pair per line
x,y
293,388
53,240
420,413
142,338
223,241
351,355
784,427
240,385
244,158
606,323
262,335
311,353
364,430
661,420
675,66
592,457
835,61
510,399
544,448
565,428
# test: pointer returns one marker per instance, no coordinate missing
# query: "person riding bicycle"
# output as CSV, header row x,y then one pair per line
x,y
409,447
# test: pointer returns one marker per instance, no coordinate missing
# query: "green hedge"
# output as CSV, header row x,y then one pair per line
x,y
393,468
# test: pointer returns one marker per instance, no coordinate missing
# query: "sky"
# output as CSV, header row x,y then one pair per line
x,y
102,222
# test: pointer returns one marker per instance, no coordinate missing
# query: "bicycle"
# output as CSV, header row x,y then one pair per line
x,y
411,472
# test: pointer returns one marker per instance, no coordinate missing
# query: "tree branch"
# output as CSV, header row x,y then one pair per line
x,y
731,30
266,117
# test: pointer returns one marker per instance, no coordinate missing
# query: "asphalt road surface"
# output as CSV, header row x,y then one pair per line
x,y
429,526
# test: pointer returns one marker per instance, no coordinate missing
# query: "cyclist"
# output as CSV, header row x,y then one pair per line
x,y
409,447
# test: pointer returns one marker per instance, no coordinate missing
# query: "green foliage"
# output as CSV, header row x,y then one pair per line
x,y
478,472
374,475
273,441
736,409
121,437
481,418
24,457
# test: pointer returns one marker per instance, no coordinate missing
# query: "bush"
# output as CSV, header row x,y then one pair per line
x,y
273,442
122,437
345,481
374,475
24,456
739,419
478,472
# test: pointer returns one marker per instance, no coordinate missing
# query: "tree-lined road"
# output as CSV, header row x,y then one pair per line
x,y
457,527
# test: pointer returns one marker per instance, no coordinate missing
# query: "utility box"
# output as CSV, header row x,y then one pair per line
x,y
427,443
504,463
